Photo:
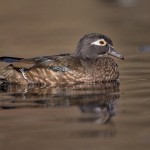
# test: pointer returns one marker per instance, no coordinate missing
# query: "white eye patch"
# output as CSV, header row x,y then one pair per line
x,y
100,42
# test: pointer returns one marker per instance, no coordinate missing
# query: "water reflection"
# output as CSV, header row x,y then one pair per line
x,y
108,132
97,102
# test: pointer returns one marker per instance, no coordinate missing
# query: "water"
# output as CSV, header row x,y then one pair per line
x,y
101,116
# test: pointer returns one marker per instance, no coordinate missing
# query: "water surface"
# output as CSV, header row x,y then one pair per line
x,y
99,116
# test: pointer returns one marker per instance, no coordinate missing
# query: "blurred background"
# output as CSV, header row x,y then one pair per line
x,y
77,119
31,28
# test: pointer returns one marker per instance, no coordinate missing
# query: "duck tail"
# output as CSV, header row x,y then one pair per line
x,y
7,59
3,79
10,75
5,73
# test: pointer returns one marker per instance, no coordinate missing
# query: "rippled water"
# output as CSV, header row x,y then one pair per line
x,y
105,116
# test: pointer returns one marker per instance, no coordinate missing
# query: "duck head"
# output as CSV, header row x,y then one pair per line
x,y
96,45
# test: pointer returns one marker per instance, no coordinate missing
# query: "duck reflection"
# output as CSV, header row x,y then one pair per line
x,y
97,102
98,112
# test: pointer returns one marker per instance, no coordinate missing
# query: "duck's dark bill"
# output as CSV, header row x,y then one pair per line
x,y
114,53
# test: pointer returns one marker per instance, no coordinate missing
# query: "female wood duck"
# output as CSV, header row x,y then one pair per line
x,y
88,64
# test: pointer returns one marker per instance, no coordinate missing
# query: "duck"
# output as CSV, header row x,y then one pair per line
x,y
91,62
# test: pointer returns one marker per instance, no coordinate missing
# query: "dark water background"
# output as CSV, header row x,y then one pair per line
x,y
91,117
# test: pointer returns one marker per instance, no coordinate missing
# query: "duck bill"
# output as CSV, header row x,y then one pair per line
x,y
114,53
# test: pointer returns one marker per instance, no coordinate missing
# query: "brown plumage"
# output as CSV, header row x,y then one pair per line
x,y
88,64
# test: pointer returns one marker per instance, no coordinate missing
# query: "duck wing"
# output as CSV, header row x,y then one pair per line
x,y
54,62
57,68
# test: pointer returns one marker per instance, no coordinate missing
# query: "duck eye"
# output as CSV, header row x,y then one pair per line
x,y
102,42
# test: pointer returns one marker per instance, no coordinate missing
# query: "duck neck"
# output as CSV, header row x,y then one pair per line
x,y
86,57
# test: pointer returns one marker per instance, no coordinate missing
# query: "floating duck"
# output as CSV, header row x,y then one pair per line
x,y
90,63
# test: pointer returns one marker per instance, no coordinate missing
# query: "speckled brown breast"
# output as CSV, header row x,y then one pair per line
x,y
68,70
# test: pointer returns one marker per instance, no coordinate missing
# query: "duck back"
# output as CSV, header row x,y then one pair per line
x,y
60,69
